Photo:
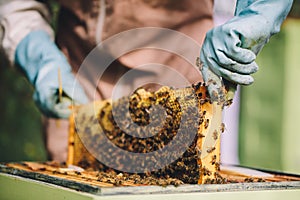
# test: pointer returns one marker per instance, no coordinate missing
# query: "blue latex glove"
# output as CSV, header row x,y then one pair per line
x,y
40,59
229,51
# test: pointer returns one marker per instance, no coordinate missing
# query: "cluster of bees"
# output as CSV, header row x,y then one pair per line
x,y
157,115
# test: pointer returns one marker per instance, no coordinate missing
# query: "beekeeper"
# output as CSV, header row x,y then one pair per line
x,y
27,41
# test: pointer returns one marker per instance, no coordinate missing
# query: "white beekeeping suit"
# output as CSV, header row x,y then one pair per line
x,y
18,18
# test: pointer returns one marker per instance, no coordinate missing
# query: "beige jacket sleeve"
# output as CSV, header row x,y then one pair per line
x,y
17,19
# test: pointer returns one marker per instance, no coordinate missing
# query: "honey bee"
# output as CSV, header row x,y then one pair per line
x,y
198,63
228,103
198,151
249,180
213,160
214,95
206,123
208,181
202,101
210,81
217,165
205,171
222,128
197,86
215,135
77,172
211,149
180,164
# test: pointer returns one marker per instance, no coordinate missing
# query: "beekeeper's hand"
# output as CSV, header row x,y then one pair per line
x,y
229,51
40,59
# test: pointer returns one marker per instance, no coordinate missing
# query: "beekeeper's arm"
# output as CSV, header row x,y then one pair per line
x,y
27,41
229,51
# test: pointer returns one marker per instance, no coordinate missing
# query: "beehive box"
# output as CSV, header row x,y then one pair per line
x,y
96,129
112,183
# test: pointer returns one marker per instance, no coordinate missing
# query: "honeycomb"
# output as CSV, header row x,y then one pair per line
x,y
149,123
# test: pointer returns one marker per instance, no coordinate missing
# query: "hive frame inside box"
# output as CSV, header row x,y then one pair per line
x,y
207,166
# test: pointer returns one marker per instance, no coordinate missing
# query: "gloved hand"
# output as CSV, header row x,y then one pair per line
x,y
40,59
229,51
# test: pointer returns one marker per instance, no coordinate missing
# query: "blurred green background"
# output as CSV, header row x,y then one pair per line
x,y
20,130
270,108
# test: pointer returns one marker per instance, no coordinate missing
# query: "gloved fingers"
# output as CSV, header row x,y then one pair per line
x,y
236,50
47,95
50,105
50,102
76,93
73,89
232,65
234,77
237,78
232,58
63,109
226,41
